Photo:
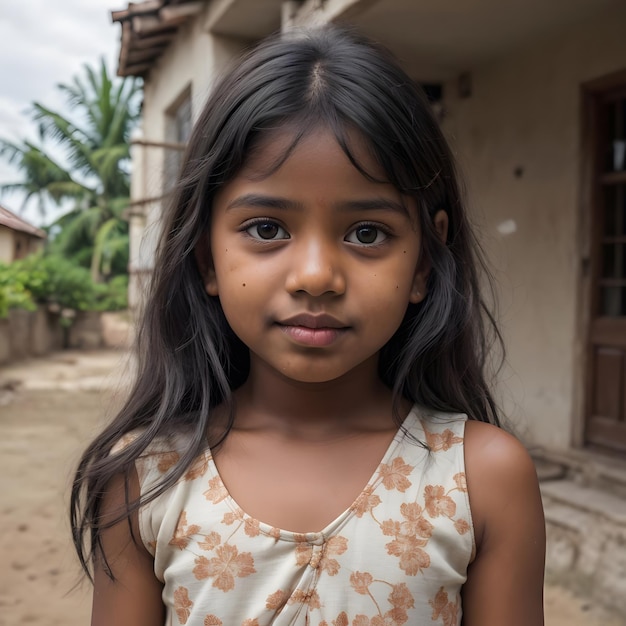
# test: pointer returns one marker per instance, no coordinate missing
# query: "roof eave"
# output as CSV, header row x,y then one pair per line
x,y
147,30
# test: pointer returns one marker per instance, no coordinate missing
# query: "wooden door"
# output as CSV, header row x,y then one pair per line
x,y
606,376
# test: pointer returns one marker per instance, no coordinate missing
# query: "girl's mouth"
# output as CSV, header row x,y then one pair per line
x,y
315,330
313,337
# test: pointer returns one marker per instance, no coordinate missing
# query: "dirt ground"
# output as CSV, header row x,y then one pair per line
x,y
49,409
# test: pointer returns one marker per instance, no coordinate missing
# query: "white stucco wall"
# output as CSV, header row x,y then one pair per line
x,y
6,244
525,114
193,61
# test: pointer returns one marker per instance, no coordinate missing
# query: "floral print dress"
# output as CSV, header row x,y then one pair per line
x,y
398,555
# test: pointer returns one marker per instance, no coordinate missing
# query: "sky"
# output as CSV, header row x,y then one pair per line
x,y
43,43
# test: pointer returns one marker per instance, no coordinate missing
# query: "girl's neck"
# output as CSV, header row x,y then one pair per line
x,y
359,400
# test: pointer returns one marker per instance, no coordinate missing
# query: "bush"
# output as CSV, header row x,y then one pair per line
x,y
52,279
112,296
13,292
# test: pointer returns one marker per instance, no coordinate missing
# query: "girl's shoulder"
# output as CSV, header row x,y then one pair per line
x,y
497,465
436,429
161,466
509,527
156,457
433,442
490,449
496,462
487,447
126,440
170,442
499,470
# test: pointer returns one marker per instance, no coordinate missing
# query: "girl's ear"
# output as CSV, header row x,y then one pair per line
x,y
441,225
210,283
202,253
418,290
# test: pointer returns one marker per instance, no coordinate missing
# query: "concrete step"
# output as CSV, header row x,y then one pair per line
x,y
585,467
586,500
586,551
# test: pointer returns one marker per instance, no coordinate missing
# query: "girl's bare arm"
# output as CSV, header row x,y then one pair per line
x,y
505,581
134,597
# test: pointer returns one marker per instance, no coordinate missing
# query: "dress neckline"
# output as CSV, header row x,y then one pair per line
x,y
316,537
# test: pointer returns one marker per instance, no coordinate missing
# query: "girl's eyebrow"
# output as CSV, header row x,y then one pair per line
x,y
263,202
284,204
374,204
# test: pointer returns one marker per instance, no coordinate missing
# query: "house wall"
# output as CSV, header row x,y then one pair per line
x,y
16,245
518,141
6,244
25,244
194,60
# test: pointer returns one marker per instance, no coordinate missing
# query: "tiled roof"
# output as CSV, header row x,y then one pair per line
x,y
12,221
148,28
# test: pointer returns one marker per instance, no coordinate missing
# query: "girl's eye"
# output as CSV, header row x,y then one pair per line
x,y
267,231
367,235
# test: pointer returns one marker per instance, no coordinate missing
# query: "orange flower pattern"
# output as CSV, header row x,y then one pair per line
x,y
398,555
224,567
444,609
182,604
183,532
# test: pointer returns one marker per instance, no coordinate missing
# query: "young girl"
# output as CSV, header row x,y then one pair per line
x,y
310,438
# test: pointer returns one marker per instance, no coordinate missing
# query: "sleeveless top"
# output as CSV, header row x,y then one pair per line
x,y
398,555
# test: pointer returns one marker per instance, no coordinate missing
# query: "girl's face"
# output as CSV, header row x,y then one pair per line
x,y
314,264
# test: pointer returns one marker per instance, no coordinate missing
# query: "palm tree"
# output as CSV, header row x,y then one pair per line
x,y
96,144
44,179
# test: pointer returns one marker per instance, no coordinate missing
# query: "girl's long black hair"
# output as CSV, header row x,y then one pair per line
x,y
189,360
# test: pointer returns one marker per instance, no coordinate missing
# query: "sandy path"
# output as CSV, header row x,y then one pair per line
x,y
39,439
43,427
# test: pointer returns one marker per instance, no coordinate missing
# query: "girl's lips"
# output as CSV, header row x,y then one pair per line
x,y
314,337
314,321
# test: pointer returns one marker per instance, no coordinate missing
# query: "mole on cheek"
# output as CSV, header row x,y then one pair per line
x,y
243,284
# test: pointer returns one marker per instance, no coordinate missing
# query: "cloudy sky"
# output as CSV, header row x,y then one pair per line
x,y
44,43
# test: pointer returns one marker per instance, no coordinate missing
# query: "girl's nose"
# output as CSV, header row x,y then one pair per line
x,y
316,270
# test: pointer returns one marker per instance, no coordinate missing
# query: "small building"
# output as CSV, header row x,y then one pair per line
x,y
18,238
532,96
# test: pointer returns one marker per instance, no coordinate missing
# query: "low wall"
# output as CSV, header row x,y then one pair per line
x,y
26,334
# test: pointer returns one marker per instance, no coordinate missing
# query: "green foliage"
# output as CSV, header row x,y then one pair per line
x,y
54,280
44,178
13,294
112,296
84,267
83,237
96,142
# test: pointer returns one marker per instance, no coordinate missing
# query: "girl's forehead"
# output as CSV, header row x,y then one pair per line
x,y
276,146
319,163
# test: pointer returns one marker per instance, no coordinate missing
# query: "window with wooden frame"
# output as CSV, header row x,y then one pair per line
x,y
606,388
178,122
